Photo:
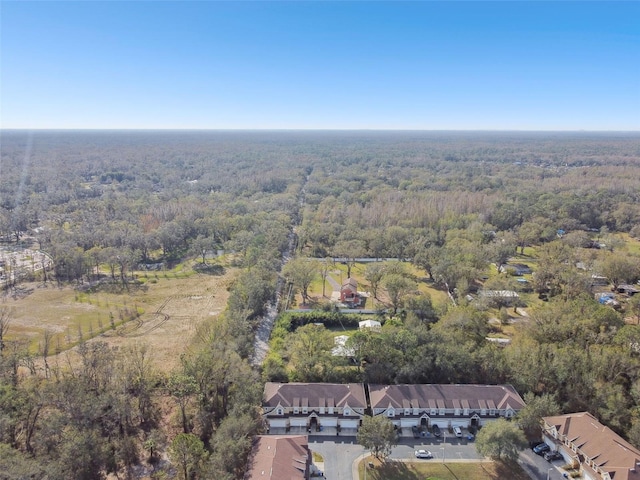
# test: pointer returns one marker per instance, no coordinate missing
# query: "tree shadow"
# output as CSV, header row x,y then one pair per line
x,y
215,270
507,469
391,470
451,472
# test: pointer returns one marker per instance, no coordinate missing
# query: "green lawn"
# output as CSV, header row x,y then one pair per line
x,y
432,470
339,273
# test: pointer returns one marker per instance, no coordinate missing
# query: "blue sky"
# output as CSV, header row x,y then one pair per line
x,y
321,65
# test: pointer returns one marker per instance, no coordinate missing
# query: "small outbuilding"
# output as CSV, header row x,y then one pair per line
x,y
371,324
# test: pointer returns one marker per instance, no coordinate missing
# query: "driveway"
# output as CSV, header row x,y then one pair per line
x,y
339,454
538,468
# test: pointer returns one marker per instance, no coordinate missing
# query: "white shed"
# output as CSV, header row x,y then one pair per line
x,y
372,324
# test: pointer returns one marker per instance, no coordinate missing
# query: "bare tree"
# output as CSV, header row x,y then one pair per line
x,y
325,265
6,316
44,350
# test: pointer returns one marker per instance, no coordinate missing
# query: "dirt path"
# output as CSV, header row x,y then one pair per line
x,y
263,333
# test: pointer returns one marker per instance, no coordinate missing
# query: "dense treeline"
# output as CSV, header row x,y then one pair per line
x,y
104,204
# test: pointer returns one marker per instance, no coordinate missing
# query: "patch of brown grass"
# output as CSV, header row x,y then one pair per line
x,y
395,470
162,315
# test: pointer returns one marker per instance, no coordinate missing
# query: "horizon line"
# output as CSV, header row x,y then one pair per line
x,y
143,129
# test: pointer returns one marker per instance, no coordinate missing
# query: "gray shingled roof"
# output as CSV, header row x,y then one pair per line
x,y
315,394
429,396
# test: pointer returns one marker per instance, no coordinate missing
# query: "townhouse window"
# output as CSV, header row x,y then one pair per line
x,y
347,411
466,411
390,412
330,410
492,411
321,410
457,412
441,411
304,410
433,412
296,410
279,411
483,411
407,411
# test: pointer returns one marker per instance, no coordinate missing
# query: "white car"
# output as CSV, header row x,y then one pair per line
x,y
423,454
457,431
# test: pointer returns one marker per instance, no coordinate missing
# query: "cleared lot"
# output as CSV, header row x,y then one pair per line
x,y
163,313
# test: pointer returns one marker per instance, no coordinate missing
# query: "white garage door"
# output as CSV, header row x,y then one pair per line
x,y
443,424
278,422
408,422
349,423
459,423
298,422
328,421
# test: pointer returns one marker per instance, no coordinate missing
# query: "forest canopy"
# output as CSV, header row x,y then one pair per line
x,y
410,214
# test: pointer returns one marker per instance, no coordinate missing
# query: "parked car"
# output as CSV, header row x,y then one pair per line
x,y
551,456
436,430
541,448
416,431
423,454
457,432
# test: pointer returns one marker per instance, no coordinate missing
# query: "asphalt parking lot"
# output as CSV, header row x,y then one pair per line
x,y
340,452
451,448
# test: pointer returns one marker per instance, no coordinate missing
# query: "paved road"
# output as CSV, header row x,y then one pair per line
x,y
538,468
339,455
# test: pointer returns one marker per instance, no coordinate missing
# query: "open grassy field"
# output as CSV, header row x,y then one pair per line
x,y
163,313
429,470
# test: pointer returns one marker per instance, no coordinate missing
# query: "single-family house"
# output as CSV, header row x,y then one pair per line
x,y
629,290
349,292
517,268
278,457
502,297
446,406
313,406
597,451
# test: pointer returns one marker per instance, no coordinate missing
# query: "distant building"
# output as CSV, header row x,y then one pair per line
x,y
370,325
505,297
516,268
629,290
349,292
